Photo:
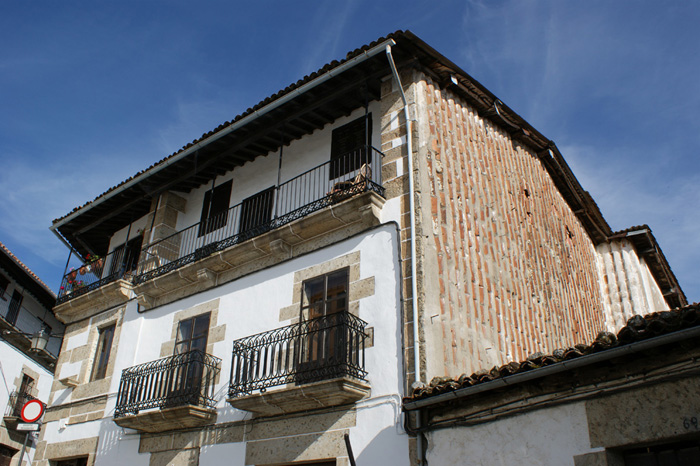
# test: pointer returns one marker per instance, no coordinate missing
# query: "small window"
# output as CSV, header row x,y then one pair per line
x,y
215,208
4,282
192,334
14,307
256,211
27,385
349,147
104,348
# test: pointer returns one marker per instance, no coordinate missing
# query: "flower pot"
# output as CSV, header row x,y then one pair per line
x,y
72,275
83,270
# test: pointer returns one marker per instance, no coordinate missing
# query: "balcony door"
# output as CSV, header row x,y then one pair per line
x,y
324,303
188,360
256,212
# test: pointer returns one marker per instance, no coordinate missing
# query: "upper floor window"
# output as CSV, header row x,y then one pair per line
x,y
4,282
215,208
104,348
349,146
192,334
126,256
325,295
14,307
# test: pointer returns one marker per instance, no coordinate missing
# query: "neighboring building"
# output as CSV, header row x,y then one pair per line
x,y
625,400
259,296
26,366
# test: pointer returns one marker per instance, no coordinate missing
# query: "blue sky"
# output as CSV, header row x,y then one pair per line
x,y
92,92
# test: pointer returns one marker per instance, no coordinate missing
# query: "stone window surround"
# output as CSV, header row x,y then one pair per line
x,y
30,373
217,333
84,387
357,288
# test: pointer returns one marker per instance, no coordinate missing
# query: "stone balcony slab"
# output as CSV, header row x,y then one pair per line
x,y
313,231
316,395
107,296
161,420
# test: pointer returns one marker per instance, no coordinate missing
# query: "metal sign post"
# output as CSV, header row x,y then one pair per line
x,y
24,447
31,412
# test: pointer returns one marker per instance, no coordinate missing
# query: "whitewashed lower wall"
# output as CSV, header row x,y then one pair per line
x,y
551,436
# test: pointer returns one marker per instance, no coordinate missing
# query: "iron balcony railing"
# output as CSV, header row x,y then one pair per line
x,y
180,380
96,272
320,349
324,185
16,401
23,321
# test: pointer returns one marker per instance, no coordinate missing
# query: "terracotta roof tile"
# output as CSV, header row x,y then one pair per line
x,y
26,269
638,328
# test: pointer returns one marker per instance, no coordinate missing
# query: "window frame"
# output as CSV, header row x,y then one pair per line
x,y
215,206
103,352
348,154
326,300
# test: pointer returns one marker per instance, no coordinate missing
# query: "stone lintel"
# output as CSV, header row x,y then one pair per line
x,y
316,395
179,417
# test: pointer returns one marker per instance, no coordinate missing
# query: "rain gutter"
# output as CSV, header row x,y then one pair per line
x,y
556,368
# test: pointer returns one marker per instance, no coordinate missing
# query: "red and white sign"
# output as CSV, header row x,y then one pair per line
x,y
32,411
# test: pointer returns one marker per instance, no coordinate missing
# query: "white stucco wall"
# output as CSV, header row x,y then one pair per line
x,y
551,436
301,155
251,305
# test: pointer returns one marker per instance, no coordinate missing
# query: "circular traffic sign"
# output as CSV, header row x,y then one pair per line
x,y
32,411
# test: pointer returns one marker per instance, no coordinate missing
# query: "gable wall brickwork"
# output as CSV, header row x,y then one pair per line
x,y
514,270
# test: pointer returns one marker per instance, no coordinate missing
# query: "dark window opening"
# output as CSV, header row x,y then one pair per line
x,y
215,208
72,462
6,454
677,454
13,308
104,348
4,283
125,257
256,212
27,385
349,145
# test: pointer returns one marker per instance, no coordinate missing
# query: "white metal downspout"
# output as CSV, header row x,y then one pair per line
x,y
412,216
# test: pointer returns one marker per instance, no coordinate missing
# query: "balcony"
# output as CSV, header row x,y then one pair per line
x,y
110,275
17,325
319,362
14,407
170,393
339,197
